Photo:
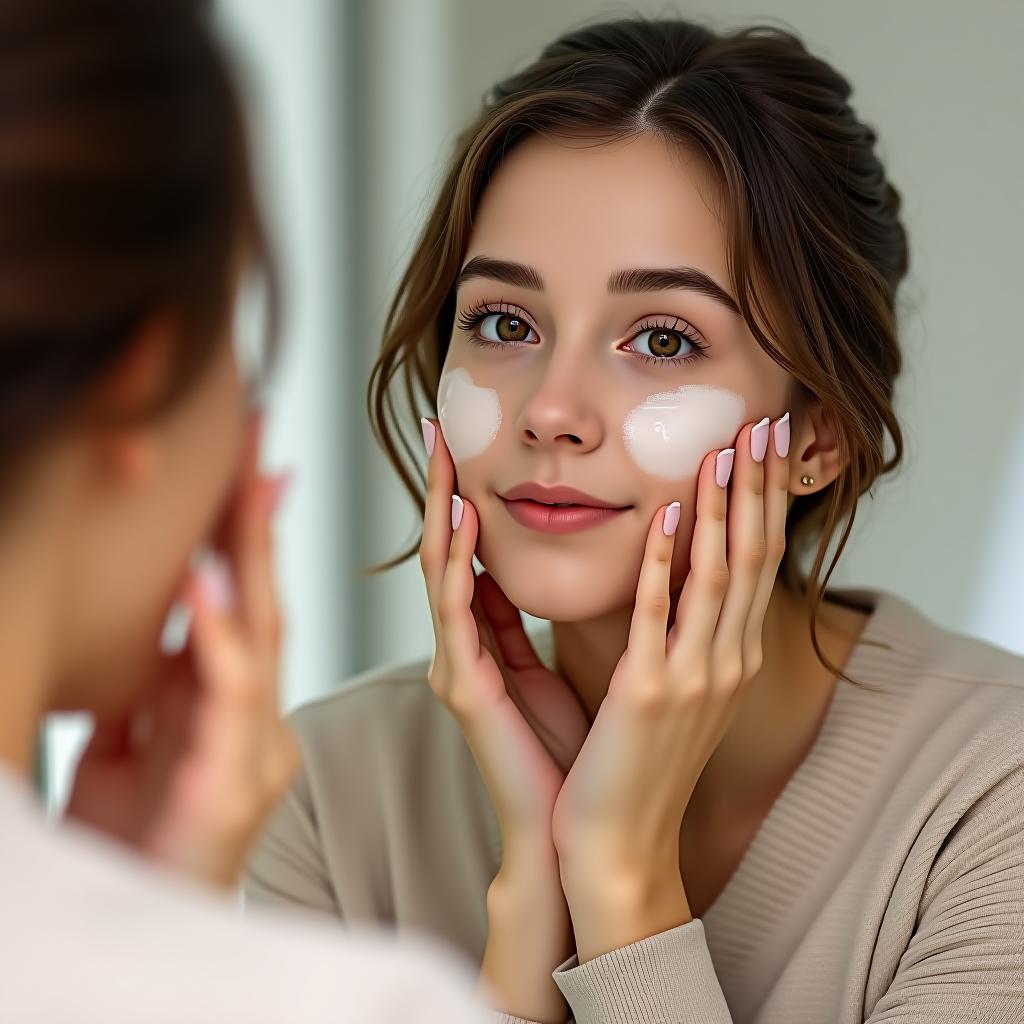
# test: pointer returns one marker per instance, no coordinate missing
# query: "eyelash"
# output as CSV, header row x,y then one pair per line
x,y
471,319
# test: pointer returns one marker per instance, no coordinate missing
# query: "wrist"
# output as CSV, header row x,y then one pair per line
x,y
529,933
613,904
524,856
625,891
605,862
527,890
525,899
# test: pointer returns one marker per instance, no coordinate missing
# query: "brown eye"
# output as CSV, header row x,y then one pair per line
x,y
662,343
665,343
512,328
506,328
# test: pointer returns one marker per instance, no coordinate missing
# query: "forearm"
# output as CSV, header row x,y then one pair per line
x,y
529,934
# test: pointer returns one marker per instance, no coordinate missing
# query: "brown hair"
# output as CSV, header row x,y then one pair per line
x,y
816,246
124,188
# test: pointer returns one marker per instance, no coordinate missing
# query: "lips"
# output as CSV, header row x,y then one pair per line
x,y
558,509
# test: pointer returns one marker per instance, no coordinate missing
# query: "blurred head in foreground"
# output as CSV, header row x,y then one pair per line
x,y
127,223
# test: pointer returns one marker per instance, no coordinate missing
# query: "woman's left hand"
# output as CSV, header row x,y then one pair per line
x,y
616,824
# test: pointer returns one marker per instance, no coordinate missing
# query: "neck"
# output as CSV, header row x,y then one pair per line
x,y
29,575
779,710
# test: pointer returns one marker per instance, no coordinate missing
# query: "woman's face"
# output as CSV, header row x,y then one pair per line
x,y
594,348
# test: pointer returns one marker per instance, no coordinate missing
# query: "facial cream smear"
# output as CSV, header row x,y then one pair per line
x,y
669,434
470,416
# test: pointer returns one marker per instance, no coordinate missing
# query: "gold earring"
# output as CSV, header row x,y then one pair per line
x,y
807,481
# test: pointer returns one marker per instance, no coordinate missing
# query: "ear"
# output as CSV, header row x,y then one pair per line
x,y
815,451
123,430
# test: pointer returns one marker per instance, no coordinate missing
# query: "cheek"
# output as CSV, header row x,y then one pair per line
x,y
469,415
205,447
669,434
213,436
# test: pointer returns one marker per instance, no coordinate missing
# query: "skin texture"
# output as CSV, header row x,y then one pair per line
x,y
636,841
578,382
189,751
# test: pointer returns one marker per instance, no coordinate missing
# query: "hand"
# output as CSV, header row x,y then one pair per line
x,y
617,820
486,672
189,775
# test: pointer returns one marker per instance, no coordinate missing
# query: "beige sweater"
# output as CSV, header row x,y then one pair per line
x,y
90,934
885,884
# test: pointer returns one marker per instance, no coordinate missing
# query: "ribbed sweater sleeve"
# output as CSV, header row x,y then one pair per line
x,y
964,961
667,977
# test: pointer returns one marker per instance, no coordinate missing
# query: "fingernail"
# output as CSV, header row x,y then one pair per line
x,y
280,485
782,437
759,440
723,466
671,520
215,580
429,435
457,509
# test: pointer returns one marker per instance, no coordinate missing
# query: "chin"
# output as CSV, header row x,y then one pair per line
x,y
561,586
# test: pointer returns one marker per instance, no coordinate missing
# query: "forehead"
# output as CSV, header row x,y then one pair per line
x,y
576,208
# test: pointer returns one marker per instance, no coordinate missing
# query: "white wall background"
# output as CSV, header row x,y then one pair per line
x,y
354,106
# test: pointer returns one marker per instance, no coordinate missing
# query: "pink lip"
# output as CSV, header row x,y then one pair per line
x,y
555,495
533,506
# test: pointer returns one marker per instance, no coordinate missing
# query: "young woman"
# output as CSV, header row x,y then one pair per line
x,y
655,302
126,222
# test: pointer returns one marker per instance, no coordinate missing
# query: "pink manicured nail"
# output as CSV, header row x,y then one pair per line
x,y
723,466
429,435
280,485
782,437
457,509
759,440
671,520
215,580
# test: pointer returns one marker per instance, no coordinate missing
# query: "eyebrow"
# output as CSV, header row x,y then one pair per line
x,y
657,279
517,274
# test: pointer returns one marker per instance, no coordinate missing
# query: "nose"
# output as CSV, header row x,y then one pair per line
x,y
559,414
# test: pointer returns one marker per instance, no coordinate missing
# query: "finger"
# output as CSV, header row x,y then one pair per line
x,y
708,580
174,722
776,505
459,634
229,698
745,550
437,517
649,626
501,631
257,585
250,549
506,624
221,653
179,687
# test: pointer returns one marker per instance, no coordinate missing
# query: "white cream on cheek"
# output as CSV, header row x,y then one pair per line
x,y
469,415
669,434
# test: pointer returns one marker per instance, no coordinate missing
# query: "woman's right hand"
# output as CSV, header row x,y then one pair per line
x,y
189,775
485,671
